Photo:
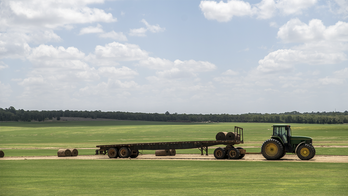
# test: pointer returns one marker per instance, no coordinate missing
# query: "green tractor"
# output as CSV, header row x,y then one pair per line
x,y
282,142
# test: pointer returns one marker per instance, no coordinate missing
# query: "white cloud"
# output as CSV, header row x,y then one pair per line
x,y
141,32
91,29
53,14
120,52
224,11
120,73
343,7
3,65
295,6
113,35
49,52
321,45
230,73
6,92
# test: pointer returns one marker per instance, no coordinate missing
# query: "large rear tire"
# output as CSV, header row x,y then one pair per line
x,y
233,153
124,152
305,152
219,153
272,149
112,152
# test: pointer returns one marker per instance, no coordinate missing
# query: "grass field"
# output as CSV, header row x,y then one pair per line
x,y
140,177
159,177
77,134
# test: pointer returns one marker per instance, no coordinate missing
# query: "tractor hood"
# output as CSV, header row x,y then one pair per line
x,y
299,139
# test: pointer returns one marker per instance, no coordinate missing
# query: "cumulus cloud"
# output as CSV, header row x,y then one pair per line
x,y
224,11
113,35
120,73
120,52
141,32
91,29
320,45
53,14
3,65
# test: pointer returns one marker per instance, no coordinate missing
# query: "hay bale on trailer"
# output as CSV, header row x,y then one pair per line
x,y
64,153
230,136
2,154
221,136
74,152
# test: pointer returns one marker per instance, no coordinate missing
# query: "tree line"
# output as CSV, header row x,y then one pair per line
x,y
12,114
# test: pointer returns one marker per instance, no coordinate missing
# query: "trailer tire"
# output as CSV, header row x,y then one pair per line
x,y
233,153
124,152
241,155
134,154
272,149
305,152
112,152
219,153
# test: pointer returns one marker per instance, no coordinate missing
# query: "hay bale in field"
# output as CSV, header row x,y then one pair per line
x,y
61,153
2,154
67,152
172,152
64,153
230,136
162,152
74,152
221,136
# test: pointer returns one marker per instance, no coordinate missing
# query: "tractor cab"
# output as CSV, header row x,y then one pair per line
x,y
283,134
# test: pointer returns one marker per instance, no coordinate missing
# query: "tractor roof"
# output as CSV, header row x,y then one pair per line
x,y
281,125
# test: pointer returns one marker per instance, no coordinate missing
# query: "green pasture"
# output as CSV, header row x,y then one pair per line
x,y
149,177
88,134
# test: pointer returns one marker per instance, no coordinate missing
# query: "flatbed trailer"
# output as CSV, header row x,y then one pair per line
x,y
132,150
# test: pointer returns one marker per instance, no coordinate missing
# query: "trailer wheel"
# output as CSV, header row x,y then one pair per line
x,y
241,155
272,149
134,154
112,152
124,152
219,153
233,153
305,152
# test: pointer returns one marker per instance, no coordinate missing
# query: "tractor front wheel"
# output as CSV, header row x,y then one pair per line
x,y
305,152
272,149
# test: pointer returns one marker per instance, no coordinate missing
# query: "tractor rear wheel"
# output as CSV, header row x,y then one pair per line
x,y
272,149
233,153
305,152
112,152
219,153
124,152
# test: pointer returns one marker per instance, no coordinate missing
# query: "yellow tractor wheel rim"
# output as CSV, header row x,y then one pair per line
x,y
271,149
304,152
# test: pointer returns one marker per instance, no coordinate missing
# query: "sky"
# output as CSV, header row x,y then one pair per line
x,y
234,57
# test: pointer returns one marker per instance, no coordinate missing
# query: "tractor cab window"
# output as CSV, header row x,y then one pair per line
x,y
282,132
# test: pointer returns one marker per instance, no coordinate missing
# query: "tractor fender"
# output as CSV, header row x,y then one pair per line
x,y
299,146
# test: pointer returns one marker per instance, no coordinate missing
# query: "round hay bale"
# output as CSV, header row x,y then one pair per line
x,y
61,153
162,152
230,136
172,152
221,136
74,152
2,154
67,153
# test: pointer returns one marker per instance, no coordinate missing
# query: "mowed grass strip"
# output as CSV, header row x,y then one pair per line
x,y
85,134
141,177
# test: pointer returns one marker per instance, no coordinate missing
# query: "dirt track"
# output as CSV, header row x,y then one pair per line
x,y
248,157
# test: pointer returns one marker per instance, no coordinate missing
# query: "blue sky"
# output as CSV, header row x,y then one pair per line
x,y
192,56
